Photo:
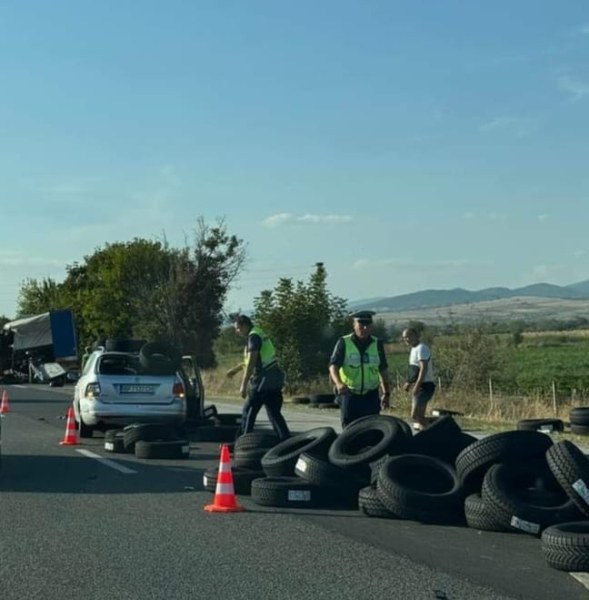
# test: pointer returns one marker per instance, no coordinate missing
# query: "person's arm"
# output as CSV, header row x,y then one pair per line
x,y
335,362
383,374
252,357
234,370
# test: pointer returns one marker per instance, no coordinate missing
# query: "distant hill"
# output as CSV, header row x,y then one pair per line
x,y
443,298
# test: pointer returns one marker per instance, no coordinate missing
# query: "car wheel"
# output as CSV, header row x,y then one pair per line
x,y
85,431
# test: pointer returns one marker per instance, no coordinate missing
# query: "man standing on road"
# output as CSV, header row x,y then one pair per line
x,y
358,368
420,380
262,380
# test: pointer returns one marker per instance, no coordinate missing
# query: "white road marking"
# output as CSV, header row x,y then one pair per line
x,y
582,578
107,462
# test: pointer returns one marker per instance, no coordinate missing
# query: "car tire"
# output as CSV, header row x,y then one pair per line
x,y
160,358
162,449
566,546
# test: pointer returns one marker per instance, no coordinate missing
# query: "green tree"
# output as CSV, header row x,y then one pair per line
x,y
303,320
469,356
36,297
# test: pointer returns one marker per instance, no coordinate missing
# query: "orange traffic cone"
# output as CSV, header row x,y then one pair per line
x,y
71,431
4,407
224,500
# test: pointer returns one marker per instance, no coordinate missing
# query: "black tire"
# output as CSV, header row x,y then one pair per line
x,y
443,439
280,460
160,358
322,473
579,415
321,398
232,419
123,345
221,433
242,479
366,440
148,432
291,492
249,459
255,440
114,441
162,449
566,546
370,504
525,496
474,461
85,431
421,488
579,429
300,400
479,517
570,467
543,425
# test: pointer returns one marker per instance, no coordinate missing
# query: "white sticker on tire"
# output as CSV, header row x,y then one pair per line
x,y
299,495
581,488
525,525
185,449
205,480
109,446
546,429
301,465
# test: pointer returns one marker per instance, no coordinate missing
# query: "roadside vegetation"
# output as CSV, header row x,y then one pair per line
x,y
498,372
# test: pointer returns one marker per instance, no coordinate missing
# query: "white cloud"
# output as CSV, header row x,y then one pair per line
x,y
290,219
543,217
517,125
585,29
579,253
468,216
576,89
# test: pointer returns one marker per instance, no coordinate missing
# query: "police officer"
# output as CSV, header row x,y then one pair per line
x,y
358,368
262,379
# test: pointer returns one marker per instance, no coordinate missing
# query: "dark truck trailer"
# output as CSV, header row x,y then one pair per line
x,y
42,346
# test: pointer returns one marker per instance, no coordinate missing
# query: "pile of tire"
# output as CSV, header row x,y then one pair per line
x,y
147,440
248,450
319,468
579,418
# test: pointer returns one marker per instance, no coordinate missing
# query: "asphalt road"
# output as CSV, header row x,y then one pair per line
x,y
72,526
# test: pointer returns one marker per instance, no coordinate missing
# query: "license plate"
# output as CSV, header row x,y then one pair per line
x,y
136,388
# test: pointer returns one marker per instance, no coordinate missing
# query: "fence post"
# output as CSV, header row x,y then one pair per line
x,y
440,384
554,404
490,390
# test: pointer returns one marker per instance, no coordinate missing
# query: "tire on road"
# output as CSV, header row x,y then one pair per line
x,y
474,461
366,440
147,432
525,496
162,449
546,425
370,504
566,546
421,488
291,492
570,467
280,460
479,517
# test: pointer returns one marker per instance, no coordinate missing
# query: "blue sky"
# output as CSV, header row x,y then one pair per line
x,y
407,144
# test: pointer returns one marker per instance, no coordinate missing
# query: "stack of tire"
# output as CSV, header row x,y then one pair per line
x,y
147,440
318,468
248,451
579,418
419,481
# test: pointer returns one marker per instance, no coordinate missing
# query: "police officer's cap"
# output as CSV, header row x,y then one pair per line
x,y
363,315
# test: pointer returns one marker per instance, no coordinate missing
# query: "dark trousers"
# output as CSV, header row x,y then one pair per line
x,y
354,406
272,401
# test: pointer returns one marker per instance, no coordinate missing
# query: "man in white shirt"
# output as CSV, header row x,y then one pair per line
x,y
420,380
